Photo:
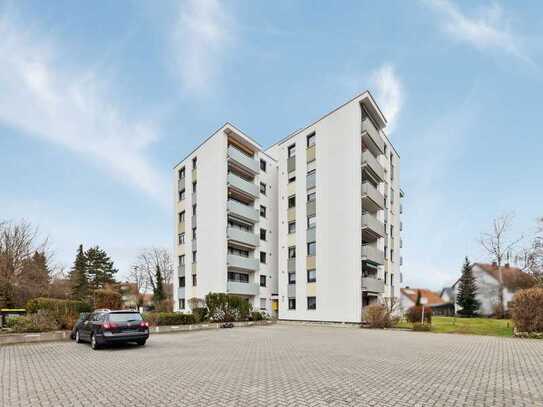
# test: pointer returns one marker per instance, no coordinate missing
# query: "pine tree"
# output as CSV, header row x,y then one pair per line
x,y
79,278
100,269
467,291
158,294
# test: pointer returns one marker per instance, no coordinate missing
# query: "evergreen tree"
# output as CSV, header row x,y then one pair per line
x,y
467,291
79,278
100,268
158,293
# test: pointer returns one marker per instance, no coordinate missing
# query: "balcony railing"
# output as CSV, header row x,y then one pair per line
x,y
371,162
242,236
369,129
244,160
370,192
242,185
369,221
240,262
371,253
181,270
242,211
181,292
235,287
372,284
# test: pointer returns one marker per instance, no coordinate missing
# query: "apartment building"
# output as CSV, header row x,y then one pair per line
x,y
308,229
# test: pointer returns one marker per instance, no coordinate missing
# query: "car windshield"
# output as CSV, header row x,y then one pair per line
x,y
125,317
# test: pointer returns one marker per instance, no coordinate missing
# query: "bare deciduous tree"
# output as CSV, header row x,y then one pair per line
x,y
499,246
530,259
143,272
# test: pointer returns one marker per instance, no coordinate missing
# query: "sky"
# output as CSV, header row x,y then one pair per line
x,y
99,100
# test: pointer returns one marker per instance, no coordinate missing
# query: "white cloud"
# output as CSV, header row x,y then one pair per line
x,y
43,96
201,36
389,93
488,30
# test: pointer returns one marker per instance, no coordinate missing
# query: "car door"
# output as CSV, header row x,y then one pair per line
x,y
86,327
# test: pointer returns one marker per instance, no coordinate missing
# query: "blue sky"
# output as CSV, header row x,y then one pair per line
x,y
99,100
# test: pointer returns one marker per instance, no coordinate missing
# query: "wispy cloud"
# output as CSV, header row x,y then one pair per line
x,y
488,30
44,96
389,93
201,36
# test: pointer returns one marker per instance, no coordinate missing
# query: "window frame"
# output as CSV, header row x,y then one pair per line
x,y
314,307
314,279
309,138
264,281
263,165
290,150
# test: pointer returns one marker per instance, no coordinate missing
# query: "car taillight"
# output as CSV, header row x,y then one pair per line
x,y
109,325
144,324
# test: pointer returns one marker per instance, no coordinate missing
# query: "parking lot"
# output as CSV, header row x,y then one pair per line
x,y
279,365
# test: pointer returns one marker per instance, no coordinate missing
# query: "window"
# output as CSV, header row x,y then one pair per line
x,y
263,257
262,211
311,196
263,165
181,281
292,252
311,302
263,304
181,238
311,140
194,209
194,187
386,252
194,162
311,276
391,279
386,277
291,178
292,277
391,197
312,221
292,201
263,188
292,303
182,173
194,256
193,233
181,303
392,255
262,281
182,260
182,195
194,281
181,217
292,151
238,252
292,227
312,249
263,234
238,277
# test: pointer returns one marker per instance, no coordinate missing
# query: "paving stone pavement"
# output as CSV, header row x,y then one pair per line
x,y
279,365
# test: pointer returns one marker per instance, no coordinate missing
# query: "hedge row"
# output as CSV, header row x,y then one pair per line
x,y
64,313
168,318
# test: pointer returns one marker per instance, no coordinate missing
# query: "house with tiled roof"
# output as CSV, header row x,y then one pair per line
x,y
408,298
488,283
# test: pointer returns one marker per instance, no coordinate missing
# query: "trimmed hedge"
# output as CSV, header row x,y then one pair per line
x,y
227,308
40,321
64,312
168,318
527,310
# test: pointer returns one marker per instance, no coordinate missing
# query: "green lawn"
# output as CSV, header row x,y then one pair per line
x,y
473,326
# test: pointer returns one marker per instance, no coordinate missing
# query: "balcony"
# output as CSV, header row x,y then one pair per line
x,y
235,287
181,292
311,180
372,254
246,187
372,226
372,284
181,184
181,270
371,163
291,265
371,137
311,235
243,160
311,207
372,200
310,154
194,175
193,220
291,164
242,236
243,263
242,211
194,245
291,291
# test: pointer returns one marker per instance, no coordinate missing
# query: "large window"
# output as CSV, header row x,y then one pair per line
x,y
182,217
194,187
291,178
238,252
182,260
292,151
262,211
263,257
181,238
311,196
263,304
263,188
292,227
194,206
181,303
194,281
311,221
292,201
311,276
312,249
194,163
292,277
182,195
292,252
263,165
238,277
262,281
311,302
181,281
292,303
194,256
182,173
311,140
262,234
193,233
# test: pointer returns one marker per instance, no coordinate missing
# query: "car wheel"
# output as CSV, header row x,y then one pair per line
x,y
94,345
77,337
141,343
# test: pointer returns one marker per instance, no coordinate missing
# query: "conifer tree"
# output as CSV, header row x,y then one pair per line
x,y
158,294
79,278
466,296
100,268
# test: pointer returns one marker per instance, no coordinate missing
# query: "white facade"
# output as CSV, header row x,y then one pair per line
x,y
332,217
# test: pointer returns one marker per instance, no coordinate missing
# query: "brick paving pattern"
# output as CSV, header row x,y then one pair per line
x,y
280,365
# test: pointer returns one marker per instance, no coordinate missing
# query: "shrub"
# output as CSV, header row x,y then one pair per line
x,y
200,314
40,321
64,312
168,318
527,310
417,326
107,298
256,316
414,314
227,308
377,316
